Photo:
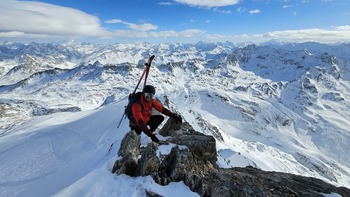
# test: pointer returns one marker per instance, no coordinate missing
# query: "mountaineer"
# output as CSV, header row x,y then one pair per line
x,y
141,118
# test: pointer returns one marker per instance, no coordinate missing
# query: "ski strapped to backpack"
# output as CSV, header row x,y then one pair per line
x,y
145,72
135,97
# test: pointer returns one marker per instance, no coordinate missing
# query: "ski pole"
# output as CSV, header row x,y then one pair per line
x,y
121,120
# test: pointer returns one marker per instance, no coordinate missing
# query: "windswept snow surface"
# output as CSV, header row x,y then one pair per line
x,y
281,109
67,154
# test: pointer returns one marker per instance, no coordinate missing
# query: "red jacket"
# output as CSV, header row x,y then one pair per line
x,y
141,115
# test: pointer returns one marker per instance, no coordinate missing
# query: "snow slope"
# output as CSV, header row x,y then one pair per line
x,y
279,108
66,154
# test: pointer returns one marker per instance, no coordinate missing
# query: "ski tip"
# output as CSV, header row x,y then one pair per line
x,y
149,62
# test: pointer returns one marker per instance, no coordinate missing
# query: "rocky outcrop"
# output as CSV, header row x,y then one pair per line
x,y
250,181
128,151
192,160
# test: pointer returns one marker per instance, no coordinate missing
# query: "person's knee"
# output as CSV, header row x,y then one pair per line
x,y
159,119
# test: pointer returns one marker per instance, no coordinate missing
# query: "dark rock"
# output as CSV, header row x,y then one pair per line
x,y
193,161
170,128
250,181
130,144
149,162
152,194
177,164
127,165
128,151
203,147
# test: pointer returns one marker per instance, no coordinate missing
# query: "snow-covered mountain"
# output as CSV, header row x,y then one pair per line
x,y
278,108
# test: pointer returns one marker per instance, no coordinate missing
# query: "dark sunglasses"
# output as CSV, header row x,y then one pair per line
x,y
148,94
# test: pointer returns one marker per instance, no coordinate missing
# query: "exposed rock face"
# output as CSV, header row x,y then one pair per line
x,y
250,181
193,161
171,128
129,151
149,162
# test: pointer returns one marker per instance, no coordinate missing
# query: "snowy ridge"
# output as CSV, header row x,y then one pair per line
x,y
279,108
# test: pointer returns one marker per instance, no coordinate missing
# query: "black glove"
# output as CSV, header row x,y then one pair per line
x,y
154,138
177,118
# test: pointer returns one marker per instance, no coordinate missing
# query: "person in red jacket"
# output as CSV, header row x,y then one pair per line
x,y
142,118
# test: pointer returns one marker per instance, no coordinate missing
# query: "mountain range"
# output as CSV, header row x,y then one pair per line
x,y
276,107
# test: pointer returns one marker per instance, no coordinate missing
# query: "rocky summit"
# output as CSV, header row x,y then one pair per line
x,y
280,107
192,159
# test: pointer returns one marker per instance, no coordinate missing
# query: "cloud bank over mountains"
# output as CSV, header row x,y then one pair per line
x,y
26,20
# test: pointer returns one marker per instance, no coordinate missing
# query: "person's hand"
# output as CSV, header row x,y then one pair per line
x,y
154,138
177,118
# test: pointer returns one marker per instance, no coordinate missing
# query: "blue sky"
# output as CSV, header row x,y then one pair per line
x,y
188,21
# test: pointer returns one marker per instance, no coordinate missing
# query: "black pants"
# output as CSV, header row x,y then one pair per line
x,y
153,124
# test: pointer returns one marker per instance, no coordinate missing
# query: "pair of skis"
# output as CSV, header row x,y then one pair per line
x,y
144,74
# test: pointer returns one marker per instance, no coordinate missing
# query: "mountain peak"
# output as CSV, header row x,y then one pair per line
x,y
277,108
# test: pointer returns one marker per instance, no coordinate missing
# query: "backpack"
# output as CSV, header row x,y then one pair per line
x,y
133,97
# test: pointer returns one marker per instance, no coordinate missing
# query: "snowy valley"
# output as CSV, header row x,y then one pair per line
x,y
276,107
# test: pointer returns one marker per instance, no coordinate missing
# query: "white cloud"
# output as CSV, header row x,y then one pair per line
x,y
42,18
161,34
136,27
129,34
11,34
190,33
208,3
183,34
343,28
34,20
113,21
143,27
336,34
254,11
165,3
